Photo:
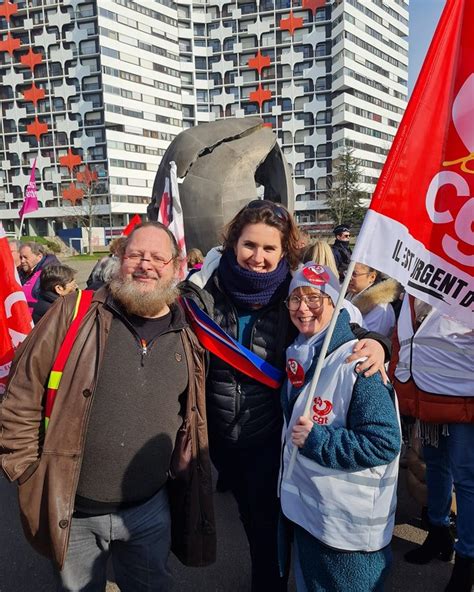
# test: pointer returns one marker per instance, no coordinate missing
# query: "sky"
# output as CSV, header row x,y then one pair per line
x,y
424,16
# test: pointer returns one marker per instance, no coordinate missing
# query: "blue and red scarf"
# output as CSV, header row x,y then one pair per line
x,y
222,345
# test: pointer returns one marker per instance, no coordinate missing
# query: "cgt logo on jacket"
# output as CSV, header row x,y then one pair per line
x,y
321,410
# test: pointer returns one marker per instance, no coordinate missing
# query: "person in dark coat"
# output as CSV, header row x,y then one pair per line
x,y
242,287
103,272
341,250
55,281
33,259
15,250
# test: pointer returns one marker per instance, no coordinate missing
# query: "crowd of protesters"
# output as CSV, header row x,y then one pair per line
x,y
119,427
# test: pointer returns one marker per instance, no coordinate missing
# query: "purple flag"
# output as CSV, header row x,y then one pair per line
x,y
30,203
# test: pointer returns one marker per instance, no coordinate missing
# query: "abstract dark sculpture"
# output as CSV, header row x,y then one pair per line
x,y
222,163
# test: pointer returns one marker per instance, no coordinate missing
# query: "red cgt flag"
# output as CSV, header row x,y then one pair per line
x,y
15,319
419,227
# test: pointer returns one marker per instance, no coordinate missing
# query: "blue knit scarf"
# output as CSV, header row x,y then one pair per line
x,y
248,289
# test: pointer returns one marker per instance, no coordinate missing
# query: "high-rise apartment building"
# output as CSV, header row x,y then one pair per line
x,y
86,86
107,84
323,75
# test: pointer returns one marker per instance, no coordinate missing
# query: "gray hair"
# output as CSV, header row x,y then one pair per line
x,y
17,243
36,248
105,269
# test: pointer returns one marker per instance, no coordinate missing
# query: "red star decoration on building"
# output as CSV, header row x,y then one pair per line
x,y
291,23
260,96
10,44
70,160
87,176
73,194
259,62
313,5
33,94
7,9
37,128
31,59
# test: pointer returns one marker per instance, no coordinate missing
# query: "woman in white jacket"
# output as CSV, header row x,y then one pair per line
x,y
341,496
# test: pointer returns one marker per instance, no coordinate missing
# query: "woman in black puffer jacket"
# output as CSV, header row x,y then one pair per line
x,y
243,289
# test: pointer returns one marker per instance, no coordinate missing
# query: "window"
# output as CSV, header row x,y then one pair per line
x,y
111,53
322,50
323,117
200,63
199,30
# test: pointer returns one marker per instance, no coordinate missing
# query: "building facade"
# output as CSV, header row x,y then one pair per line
x,y
91,90
324,75
95,90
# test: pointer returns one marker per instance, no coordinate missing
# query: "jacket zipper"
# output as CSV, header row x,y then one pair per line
x,y
143,345
144,351
238,387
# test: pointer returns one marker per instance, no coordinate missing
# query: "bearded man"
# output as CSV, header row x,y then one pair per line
x,y
128,421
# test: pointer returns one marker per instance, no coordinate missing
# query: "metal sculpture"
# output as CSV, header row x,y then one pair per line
x,y
222,166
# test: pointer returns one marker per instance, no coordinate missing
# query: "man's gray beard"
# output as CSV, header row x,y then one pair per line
x,y
142,304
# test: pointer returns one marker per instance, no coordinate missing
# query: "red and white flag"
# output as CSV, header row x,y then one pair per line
x,y
30,203
15,318
170,214
419,227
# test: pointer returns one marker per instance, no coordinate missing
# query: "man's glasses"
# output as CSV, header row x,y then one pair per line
x,y
279,211
346,235
294,302
157,261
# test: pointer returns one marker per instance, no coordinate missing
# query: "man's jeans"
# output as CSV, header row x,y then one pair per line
x,y
453,462
138,540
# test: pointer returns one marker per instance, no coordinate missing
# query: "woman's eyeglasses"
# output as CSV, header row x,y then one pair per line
x,y
294,302
360,274
279,211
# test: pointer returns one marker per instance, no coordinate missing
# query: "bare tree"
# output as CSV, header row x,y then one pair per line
x,y
86,195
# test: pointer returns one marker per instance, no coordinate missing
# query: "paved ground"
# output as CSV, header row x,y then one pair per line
x,y
21,570
83,269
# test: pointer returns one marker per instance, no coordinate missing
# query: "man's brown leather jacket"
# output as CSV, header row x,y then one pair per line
x,y
47,467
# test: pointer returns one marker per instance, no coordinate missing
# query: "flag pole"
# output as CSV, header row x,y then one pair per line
x,y
30,201
22,219
322,356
